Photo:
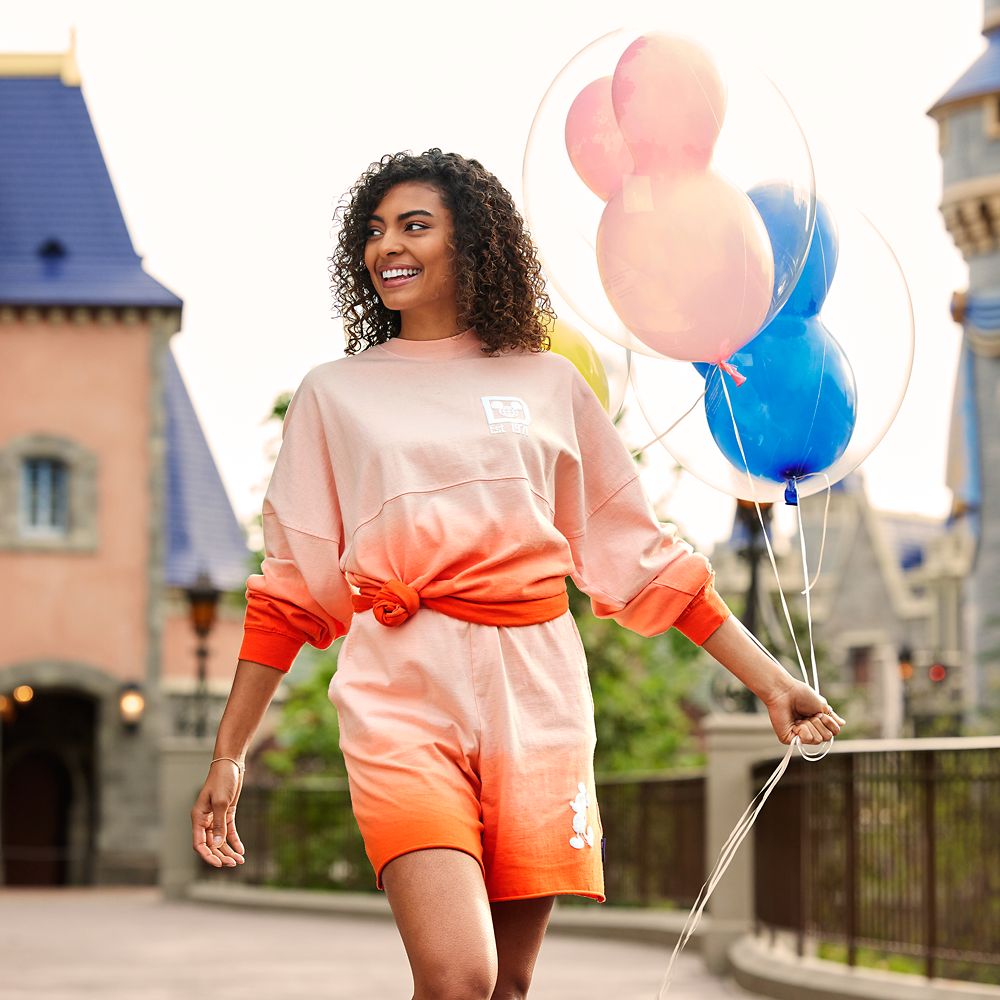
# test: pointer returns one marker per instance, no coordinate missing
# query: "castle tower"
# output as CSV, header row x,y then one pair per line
x,y
968,118
110,506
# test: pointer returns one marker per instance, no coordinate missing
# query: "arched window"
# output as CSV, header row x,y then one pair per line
x,y
44,505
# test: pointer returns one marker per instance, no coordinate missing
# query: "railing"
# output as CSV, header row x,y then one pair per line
x,y
655,831
305,836
887,856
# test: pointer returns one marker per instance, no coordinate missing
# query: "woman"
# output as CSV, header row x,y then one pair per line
x,y
447,474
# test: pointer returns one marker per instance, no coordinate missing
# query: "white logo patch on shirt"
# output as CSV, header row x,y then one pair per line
x,y
506,413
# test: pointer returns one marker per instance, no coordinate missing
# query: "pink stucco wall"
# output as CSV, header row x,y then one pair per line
x,y
89,383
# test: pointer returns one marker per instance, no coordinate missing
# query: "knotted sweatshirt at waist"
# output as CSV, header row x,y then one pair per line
x,y
393,602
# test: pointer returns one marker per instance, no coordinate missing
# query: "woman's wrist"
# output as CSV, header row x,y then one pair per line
x,y
239,762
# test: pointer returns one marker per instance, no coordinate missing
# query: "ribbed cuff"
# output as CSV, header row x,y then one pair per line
x,y
703,615
272,649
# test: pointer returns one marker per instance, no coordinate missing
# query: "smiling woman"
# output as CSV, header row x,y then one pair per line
x,y
447,475
450,218
410,260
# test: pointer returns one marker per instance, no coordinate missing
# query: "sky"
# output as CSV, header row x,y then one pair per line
x,y
232,130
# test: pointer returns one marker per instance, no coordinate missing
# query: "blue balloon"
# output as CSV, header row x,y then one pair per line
x,y
785,214
810,290
798,407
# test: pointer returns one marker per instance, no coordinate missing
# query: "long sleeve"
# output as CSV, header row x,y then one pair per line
x,y
301,595
634,568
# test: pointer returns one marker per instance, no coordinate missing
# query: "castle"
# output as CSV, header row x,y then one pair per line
x,y
111,508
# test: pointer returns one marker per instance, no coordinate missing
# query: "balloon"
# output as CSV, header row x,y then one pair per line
x,y
786,216
760,143
574,346
797,409
810,291
686,264
594,142
669,99
865,305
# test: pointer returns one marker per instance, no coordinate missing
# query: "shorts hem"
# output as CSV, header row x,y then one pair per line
x,y
598,896
424,847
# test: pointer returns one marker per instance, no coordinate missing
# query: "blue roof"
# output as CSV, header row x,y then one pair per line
x,y
982,77
983,312
909,537
63,240
202,532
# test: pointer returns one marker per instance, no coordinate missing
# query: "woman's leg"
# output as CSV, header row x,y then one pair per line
x,y
519,926
443,915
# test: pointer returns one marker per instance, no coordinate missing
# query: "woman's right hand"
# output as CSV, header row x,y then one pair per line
x,y
213,817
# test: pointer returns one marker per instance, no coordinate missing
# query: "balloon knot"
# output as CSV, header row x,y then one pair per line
x,y
733,372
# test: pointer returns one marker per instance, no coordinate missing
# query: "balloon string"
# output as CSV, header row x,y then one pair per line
x,y
827,744
747,820
763,528
805,576
726,855
822,542
684,415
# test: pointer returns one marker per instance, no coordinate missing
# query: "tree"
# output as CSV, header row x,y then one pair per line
x,y
642,689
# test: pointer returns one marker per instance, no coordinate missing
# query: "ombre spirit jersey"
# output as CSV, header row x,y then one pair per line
x,y
463,475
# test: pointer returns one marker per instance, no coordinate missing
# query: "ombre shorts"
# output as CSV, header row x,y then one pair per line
x,y
478,738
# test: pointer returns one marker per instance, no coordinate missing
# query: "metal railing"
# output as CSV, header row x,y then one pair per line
x,y
887,857
305,836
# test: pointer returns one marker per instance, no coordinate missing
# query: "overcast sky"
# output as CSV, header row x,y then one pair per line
x,y
232,129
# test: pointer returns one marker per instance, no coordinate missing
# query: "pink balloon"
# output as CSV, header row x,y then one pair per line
x,y
594,142
669,101
686,264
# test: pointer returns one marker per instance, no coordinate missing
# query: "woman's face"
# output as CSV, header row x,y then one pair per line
x,y
407,251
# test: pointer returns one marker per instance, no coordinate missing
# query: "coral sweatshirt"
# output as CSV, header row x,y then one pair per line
x,y
460,474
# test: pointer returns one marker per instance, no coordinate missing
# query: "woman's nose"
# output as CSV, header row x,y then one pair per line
x,y
391,243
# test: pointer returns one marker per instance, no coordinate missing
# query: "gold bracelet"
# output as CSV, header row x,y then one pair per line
x,y
242,767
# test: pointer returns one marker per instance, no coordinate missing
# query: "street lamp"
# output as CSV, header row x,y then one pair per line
x,y
751,546
203,598
131,705
905,657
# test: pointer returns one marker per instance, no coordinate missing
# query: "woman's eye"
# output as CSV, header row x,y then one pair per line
x,y
370,232
420,224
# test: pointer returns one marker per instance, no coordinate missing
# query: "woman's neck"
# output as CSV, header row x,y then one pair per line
x,y
429,323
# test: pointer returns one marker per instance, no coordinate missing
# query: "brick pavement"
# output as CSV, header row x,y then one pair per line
x,y
128,944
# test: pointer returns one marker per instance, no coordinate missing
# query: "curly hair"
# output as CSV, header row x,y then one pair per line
x,y
500,287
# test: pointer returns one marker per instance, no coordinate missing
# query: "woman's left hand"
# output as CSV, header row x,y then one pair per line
x,y
797,710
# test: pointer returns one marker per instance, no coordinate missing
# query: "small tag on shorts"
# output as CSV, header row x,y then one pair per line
x,y
604,841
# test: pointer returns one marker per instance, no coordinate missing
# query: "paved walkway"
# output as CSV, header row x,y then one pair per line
x,y
128,944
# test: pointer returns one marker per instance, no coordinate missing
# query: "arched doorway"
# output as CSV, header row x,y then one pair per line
x,y
47,789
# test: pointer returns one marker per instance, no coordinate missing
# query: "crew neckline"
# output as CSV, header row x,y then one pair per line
x,y
464,344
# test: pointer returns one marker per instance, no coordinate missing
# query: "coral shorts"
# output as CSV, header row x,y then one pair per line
x,y
478,738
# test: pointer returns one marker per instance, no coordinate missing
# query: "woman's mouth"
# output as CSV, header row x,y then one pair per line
x,y
394,277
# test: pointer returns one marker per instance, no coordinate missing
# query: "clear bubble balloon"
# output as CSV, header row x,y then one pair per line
x,y
811,414
604,364
678,147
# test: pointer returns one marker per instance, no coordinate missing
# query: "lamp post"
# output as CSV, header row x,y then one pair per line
x,y
203,598
752,548
905,659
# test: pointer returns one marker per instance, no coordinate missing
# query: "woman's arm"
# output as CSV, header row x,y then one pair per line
x,y
213,817
253,688
794,708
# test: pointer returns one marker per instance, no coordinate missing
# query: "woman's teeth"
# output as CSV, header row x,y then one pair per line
x,y
397,273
